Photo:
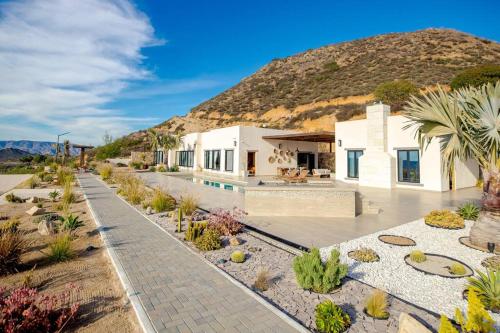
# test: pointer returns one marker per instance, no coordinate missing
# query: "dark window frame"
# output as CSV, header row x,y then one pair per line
x,y
212,159
184,158
226,159
408,179
356,162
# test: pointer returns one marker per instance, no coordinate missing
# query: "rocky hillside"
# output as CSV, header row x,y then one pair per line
x,y
35,147
12,154
311,90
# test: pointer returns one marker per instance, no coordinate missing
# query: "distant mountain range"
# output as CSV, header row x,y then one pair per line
x,y
35,147
12,154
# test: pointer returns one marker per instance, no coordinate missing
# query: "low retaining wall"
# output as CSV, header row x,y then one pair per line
x,y
300,201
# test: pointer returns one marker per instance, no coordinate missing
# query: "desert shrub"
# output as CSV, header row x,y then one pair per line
x,y
476,76
152,169
162,201
71,222
445,326
478,320
24,310
457,269
487,287
188,205
48,178
469,211
136,165
61,249
238,256
395,92
174,168
65,175
444,219
105,171
132,188
11,197
364,255
28,278
161,168
417,256
312,274
68,196
209,241
492,263
226,222
54,195
33,182
262,280
330,318
10,225
12,245
194,230
376,305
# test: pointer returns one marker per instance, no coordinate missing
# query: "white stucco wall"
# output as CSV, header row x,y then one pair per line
x,y
221,139
353,135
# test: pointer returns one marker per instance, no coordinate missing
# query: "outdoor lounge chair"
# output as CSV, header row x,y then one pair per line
x,y
301,178
321,173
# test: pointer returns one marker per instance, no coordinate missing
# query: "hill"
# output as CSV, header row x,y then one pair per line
x,y
35,147
12,154
311,90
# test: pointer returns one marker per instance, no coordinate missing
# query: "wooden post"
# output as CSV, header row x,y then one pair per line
x,y
82,157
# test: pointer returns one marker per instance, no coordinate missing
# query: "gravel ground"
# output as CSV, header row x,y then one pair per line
x,y
392,274
284,292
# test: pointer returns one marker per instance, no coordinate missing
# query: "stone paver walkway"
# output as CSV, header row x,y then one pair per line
x,y
178,290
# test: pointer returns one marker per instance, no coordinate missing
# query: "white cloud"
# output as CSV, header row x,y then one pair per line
x,y
62,61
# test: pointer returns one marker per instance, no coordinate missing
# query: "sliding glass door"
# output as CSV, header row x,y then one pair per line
x,y
353,163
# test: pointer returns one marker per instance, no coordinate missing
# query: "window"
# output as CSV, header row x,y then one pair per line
x,y
185,158
408,166
353,163
229,160
212,159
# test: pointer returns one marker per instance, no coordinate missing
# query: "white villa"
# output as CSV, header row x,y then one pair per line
x,y
374,152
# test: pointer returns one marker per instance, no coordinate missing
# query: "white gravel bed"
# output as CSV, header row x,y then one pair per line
x,y
392,274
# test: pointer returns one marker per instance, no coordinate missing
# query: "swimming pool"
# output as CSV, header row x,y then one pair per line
x,y
216,184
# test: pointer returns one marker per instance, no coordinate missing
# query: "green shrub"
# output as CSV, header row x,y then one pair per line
x,y
174,168
238,256
330,318
61,249
417,256
487,288
194,230
162,201
395,92
445,326
12,245
469,211
312,274
152,169
11,197
105,171
476,76
478,320
209,241
161,168
444,219
364,255
376,305
33,182
54,195
457,269
71,222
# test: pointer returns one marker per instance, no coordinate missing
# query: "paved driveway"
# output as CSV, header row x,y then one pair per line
x,y
178,290
8,182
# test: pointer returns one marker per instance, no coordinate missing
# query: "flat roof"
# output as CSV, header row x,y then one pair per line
x,y
74,145
322,136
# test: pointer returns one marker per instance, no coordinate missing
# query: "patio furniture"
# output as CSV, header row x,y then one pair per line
x,y
300,178
321,173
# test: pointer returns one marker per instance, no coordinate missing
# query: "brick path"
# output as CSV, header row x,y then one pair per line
x,y
178,290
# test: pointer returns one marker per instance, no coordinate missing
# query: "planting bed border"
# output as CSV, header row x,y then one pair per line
x,y
365,262
375,318
414,243
443,228
443,276
475,247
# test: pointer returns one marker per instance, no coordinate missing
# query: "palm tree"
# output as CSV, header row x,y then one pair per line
x,y
467,122
163,142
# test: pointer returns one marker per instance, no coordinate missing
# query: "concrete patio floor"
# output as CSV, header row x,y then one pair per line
x,y
398,206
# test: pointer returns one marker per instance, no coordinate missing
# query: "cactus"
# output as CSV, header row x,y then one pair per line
x,y
194,230
179,220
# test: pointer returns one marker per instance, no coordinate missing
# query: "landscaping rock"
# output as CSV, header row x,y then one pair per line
x,y
408,324
149,210
33,200
234,241
35,211
46,228
90,248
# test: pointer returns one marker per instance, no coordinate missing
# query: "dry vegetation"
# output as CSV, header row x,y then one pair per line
x,y
103,304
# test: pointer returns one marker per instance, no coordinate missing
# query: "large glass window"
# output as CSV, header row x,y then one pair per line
x,y
212,159
353,163
229,160
408,166
185,158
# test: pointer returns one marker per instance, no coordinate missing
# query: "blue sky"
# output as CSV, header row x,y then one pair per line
x,y
113,65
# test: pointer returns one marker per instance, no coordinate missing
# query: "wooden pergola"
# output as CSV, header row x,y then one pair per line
x,y
322,136
82,152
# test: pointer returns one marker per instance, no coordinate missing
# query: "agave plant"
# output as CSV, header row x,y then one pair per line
x,y
71,222
487,288
467,122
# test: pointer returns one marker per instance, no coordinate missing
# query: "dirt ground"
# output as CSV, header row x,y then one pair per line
x,y
104,306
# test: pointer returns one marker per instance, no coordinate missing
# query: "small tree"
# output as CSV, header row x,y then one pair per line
x,y
476,76
395,93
